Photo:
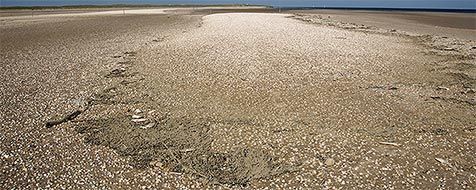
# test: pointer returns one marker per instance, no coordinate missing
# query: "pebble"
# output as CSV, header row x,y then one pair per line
x,y
442,88
469,91
330,162
149,125
136,116
139,120
441,160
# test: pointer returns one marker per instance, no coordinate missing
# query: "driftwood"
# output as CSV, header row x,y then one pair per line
x,y
66,118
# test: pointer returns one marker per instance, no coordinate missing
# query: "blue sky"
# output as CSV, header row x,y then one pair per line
x,y
445,4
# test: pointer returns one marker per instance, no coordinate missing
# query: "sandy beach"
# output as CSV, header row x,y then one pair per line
x,y
454,25
237,98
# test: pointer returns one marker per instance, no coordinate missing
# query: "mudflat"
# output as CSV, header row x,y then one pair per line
x,y
456,25
215,98
38,12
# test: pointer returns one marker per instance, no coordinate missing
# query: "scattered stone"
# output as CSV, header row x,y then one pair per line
x,y
127,82
449,49
116,56
130,53
440,131
150,112
156,40
469,129
155,164
330,162
137,111
441,160
116,72
389,143
124,62
468,91
393,30
150,125
138,120
376,87
442,88
187,150
136,116
393,88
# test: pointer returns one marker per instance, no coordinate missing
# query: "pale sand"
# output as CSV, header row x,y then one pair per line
x,y
17,14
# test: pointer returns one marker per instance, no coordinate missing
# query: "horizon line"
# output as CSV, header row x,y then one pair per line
x,y
204,5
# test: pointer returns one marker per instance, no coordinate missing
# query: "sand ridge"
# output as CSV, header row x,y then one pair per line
x,y
299,103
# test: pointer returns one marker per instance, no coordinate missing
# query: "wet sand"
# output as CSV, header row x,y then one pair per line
x,y
231,100
456,25
26,12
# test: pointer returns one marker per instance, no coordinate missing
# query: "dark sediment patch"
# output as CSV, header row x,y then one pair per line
x,y
180,145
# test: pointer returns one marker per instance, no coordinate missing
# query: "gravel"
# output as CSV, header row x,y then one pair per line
x,y
48,65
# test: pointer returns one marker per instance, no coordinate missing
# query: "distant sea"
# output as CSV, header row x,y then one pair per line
x,y
389,9
418,5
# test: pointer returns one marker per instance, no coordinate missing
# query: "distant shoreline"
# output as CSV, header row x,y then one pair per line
x,y
382,9
234,5
123,6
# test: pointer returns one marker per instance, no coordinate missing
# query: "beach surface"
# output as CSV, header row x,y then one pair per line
x,y
237,98
455,25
